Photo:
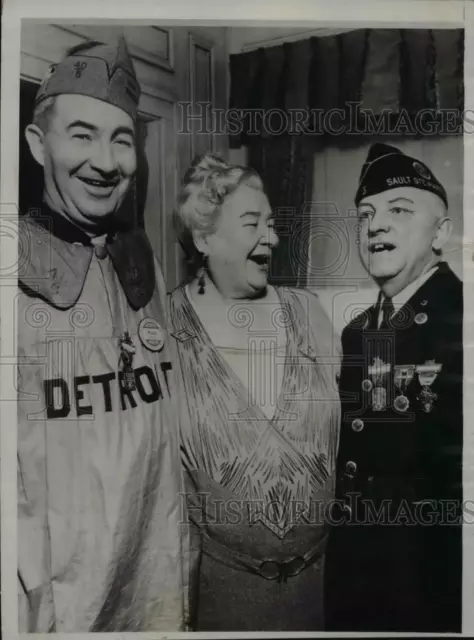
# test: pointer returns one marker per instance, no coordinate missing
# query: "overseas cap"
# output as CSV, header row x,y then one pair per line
x,y
96,70
387,168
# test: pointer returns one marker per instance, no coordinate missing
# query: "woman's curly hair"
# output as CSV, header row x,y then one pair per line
x,y
207,182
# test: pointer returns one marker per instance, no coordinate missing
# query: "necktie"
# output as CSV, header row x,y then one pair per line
x,y
387,310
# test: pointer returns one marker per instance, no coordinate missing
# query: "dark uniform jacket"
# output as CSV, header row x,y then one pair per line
x,y
394,561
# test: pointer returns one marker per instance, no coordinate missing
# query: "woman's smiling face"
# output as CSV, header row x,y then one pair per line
x,y
240,248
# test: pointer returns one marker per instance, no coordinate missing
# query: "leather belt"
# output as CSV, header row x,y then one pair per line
x,y
267,568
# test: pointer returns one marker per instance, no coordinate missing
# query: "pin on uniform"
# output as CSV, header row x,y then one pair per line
x,y
379,371
427,374
403,377
127,352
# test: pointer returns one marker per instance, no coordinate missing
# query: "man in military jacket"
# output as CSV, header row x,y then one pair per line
x,y
395,556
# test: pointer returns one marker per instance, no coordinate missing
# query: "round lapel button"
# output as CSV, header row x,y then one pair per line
x,y
351,467
151,334
421,318
357,425
367,385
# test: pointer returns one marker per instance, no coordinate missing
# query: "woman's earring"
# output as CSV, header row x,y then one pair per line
x,y
202,279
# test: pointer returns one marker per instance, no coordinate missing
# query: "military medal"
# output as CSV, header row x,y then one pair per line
x,y
379,398
427,399
401,403
403,377
378,372
427,374
127,351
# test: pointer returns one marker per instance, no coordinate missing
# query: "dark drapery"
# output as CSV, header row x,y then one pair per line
x,y
287,101
383,71
285,164
284,159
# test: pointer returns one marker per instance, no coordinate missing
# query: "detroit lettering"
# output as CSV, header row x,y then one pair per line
x,y
63,399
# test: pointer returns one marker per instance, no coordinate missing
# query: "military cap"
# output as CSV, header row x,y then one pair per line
x,y
96,70
387,167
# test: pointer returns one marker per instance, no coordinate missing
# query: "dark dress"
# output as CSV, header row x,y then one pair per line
x,y
258,487
399,569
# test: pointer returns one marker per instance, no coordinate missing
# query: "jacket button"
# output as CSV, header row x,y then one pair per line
x,y
351,467
357,425
367,385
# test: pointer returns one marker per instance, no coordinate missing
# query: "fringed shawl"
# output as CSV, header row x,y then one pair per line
x,y
267,464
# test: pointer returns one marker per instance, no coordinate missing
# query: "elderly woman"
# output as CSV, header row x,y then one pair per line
x,y
260,412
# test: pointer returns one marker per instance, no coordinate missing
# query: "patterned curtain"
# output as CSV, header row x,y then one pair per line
x,y
291,99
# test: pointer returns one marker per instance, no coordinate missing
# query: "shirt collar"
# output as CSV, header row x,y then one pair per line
x,y
408,292
66,251
62,228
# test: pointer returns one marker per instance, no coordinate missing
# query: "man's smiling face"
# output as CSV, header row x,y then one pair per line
x,y
398,231
89,159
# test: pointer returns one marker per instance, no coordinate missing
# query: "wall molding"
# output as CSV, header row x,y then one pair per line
x,y
165,62
195,41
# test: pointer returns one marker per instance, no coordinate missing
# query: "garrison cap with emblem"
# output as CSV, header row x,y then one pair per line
x,y
387,167
96,70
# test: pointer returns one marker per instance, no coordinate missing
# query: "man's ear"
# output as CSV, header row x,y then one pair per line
x,y
444,229
35,138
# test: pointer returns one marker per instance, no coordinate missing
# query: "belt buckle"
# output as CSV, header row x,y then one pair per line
x,y
281,571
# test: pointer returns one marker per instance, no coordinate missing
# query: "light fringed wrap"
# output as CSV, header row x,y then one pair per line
x,y
289,459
